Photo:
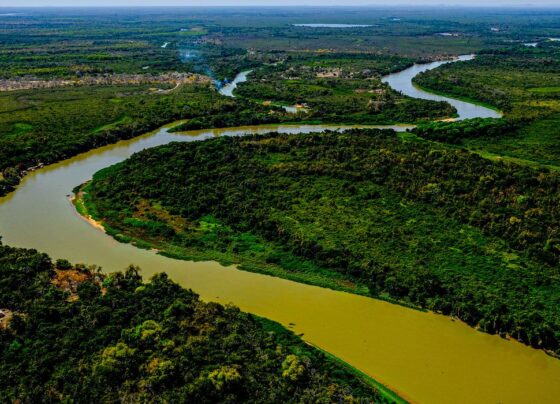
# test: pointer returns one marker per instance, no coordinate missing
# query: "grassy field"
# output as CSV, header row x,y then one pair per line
x,y
537,142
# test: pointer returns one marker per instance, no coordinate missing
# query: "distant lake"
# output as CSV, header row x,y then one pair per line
x,y
332,25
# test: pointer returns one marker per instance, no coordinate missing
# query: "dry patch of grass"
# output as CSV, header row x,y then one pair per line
x,y
70,279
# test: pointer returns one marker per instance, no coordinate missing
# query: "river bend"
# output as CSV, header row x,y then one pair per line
x,y
425,357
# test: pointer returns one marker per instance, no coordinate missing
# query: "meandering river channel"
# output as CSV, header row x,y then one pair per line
x,y
229,88
402,81
426,358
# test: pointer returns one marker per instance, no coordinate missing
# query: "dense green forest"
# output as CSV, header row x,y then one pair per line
x,y
523,82
461,218
461,131
45,125
69,333
419,222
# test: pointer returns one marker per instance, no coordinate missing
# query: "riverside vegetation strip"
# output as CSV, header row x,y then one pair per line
x,y
522,82
41,127
362,211
118,338
483,297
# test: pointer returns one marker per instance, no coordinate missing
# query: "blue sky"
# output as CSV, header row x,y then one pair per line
x,y
52,3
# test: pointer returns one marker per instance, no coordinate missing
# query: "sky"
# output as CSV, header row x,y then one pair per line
x,y
109,3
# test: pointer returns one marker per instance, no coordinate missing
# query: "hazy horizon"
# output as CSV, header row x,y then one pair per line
x,y
276,3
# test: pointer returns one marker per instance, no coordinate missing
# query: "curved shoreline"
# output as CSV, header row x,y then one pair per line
x,y
179,253
228,89
76,200
457,97
409,88
403,82
351,362
383,390
371,335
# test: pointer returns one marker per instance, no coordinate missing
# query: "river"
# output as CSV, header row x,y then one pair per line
x,y
228,88
402,81
425,357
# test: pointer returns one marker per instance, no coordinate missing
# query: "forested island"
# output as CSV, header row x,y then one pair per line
x,y
363,211
445,218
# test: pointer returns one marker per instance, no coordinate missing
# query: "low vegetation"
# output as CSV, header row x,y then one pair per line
x,y
341,88
522,81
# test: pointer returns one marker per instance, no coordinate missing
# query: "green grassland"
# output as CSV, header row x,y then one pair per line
x,y
418,222
51,124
